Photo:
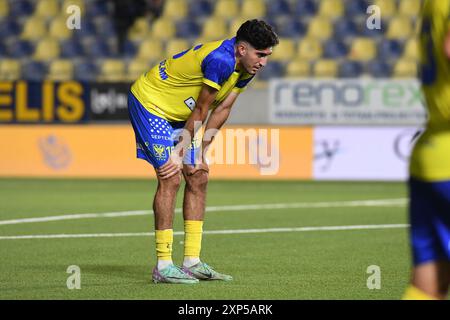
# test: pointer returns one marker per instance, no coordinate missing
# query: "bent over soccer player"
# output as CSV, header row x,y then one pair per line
x,y
164,104
429,184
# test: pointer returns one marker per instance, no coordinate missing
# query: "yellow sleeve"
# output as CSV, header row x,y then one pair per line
x,y
211,84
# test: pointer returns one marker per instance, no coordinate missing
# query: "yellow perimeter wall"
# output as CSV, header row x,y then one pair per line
x,y
109,151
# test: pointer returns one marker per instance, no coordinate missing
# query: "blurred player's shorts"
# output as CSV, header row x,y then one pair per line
x,y
430,220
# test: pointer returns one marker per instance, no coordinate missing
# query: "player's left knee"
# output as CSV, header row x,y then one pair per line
x,y
198,181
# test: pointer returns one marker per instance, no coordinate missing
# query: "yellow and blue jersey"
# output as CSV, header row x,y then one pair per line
x,y
171,88
430,159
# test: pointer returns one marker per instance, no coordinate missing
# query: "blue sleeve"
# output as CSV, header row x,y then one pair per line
x,y
217,67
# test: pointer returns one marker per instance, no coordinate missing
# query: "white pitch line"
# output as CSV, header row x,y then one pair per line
x,y
294,205
178,233
77,216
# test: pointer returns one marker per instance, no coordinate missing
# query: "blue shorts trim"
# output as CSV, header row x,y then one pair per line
x,y
429,213
155,136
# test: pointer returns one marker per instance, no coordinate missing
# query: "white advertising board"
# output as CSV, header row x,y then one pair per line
x,y
346,102
362,153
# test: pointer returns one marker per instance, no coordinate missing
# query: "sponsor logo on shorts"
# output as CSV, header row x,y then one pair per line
x,y
160,151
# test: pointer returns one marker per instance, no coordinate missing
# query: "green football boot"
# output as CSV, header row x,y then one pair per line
x,y
202,271
172,274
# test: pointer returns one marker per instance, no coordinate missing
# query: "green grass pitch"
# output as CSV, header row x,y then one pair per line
x,y
296,264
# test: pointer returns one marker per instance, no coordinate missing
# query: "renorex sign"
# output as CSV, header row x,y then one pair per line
x,y
342,101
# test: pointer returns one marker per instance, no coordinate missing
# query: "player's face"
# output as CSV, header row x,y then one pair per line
x,y
254,59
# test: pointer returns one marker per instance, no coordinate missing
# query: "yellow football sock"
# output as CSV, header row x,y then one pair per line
x,y
193,230
164,240
413,293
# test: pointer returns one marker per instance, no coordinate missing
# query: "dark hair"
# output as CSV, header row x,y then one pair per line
x,y
258,33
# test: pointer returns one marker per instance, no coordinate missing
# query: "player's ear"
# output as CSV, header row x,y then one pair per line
x,y
242,49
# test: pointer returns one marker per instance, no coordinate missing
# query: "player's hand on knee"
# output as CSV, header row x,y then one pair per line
x,y
169,169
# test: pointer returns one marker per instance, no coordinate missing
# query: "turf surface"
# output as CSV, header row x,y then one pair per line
x,y
318,264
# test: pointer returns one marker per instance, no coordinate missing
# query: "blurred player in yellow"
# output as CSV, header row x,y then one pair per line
x,y
165,106
429,184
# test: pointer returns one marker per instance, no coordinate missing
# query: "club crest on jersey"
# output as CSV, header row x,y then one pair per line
x,y
160,151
